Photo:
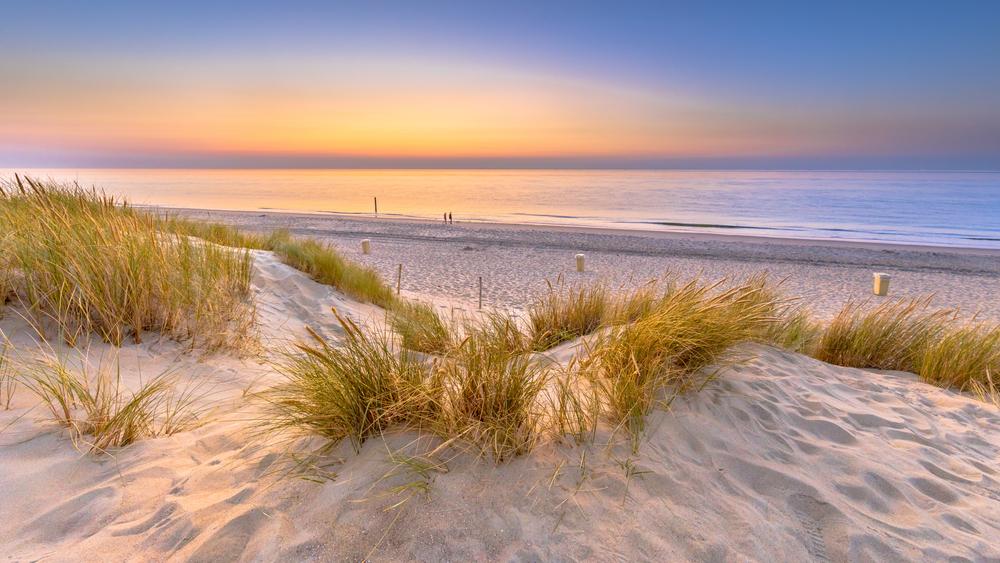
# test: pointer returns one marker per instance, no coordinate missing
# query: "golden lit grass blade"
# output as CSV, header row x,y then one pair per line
x,y
84,262
420,328
987,390
100,412
565,313
893,335
493,390
8,378
963,358
355,390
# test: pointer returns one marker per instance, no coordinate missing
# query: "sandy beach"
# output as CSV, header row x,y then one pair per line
x,y
469,282
443,263
780,458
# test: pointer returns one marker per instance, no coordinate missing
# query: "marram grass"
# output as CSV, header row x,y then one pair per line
x,y
966,358
892,336
565,313
100,413
908,335
421,328
83,262
492,390
357,389
689,329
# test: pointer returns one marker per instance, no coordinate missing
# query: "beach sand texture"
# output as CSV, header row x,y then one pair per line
x,y
781,458
442,263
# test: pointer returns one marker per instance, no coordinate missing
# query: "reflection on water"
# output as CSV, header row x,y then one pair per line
x,y
945,208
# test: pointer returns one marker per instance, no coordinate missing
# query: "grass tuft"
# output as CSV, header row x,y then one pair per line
x,y
85,262
892,336
101,413
964,358
421,328
565,313
910,336
689,329
358,389
492,390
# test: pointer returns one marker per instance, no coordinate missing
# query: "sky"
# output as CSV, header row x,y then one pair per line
x,y
782,85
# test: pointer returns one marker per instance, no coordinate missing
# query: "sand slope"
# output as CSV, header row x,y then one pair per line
x,y
781,458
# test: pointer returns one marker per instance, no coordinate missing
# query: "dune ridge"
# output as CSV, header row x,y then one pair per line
x,y
780,457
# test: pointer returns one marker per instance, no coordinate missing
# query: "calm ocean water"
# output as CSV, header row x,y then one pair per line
x,y
939,208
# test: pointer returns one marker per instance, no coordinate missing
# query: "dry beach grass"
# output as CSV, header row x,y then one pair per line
x,y
589,373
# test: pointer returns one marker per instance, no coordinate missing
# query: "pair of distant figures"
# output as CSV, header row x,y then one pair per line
x,y
448,219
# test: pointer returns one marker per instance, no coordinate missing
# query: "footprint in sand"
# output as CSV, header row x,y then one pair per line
x,y
818,520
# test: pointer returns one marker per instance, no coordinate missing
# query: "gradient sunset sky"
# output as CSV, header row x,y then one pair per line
x,y
558,84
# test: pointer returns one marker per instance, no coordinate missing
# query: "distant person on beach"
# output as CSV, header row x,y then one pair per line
x,y
446,218
450,220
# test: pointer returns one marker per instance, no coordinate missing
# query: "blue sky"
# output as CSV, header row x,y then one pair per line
x,y
768,85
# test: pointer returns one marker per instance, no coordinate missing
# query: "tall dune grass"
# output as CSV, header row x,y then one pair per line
x,y
84,262
565,313
492,388
893,335
356,390
421,328
908,335
965,358
6,271
484,391
688,330
101,413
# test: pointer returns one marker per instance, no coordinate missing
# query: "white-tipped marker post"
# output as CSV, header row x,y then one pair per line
x,y
366,246
579,262
880,285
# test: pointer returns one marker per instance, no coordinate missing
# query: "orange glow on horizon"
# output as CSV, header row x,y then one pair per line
x,y
385,108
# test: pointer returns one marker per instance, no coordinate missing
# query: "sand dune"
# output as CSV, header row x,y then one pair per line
x,y
780,458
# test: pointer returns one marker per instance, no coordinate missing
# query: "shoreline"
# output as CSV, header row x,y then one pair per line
x,y
442,263
590,229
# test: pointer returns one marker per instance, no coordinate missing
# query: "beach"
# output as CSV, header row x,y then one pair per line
x,y
781,457
462,282
442,262
750,450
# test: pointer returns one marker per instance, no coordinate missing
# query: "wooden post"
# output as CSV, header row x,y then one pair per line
x,y
376,206
480,292
366,246
399,278
579,262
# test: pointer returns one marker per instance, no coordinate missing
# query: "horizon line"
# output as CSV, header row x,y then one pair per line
x,y
14,169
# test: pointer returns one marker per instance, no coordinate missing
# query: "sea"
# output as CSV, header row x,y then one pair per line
x,y
927,208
